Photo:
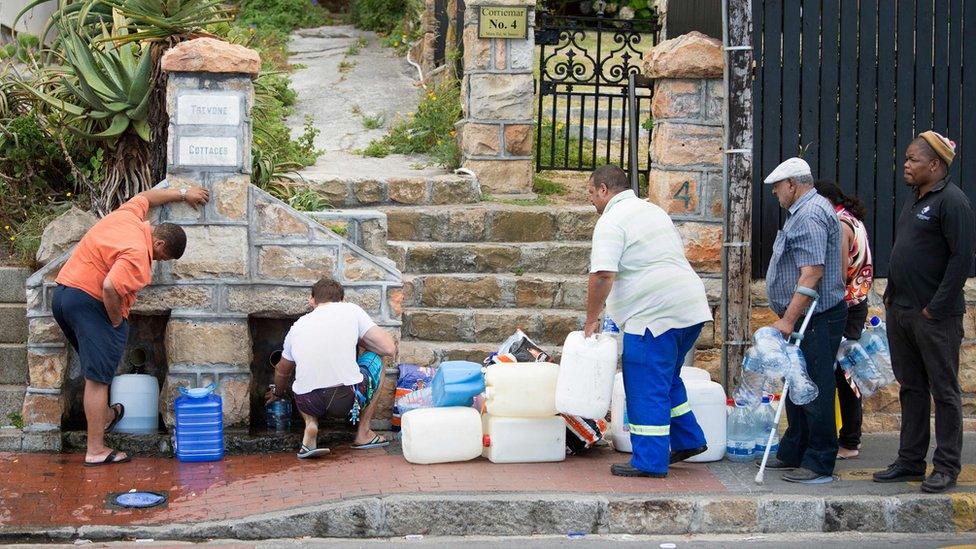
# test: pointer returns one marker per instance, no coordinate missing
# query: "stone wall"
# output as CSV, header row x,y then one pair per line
x,y
497,93
686,180
13,354
248,254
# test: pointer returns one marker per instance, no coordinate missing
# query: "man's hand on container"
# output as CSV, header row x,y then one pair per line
x,y
591,327
785,327
270,397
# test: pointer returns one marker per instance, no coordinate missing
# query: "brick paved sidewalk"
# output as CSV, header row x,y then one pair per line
x,y
55,490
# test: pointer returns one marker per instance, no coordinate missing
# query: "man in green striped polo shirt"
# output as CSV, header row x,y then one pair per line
x,y
639,272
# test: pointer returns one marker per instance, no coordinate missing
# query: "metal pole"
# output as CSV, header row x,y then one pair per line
x,y
633,131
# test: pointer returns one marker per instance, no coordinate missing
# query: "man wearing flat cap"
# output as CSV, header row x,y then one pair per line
x,y
930,261
806,262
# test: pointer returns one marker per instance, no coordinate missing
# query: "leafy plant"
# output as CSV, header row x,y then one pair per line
x,y
356,47
346,66
376,149
546,187
373,121
384,15
16,419
431,129
282,15
158,20
560,148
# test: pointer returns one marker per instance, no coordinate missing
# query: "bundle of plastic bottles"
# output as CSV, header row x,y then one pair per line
x,y
867,362
770,359
748,430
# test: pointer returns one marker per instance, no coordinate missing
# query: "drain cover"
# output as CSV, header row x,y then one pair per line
x,y
138,500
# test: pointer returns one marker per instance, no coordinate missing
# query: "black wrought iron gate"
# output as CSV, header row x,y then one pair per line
x,y
585,117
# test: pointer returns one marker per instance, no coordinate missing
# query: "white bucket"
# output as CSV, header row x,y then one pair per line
x,y
139,393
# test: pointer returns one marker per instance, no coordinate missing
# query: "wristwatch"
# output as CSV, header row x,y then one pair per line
x,y
183,194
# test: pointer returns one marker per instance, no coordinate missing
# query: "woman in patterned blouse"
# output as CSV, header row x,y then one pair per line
x,y
859,274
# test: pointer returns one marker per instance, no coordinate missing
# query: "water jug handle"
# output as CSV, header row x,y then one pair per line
x,y
209,389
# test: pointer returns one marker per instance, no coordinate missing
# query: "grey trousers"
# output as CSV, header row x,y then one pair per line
x,y
925,359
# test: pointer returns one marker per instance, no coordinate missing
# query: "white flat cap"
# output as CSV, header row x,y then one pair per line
x,y
794,167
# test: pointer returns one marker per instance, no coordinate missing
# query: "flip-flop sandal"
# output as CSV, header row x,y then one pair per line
x,y
377,442
119,409
109,460
855,456
306,453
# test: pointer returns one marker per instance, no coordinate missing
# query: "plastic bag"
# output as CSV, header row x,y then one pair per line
x,y
771,351
749,387
522,348
411,378
421,398
860,366
802,389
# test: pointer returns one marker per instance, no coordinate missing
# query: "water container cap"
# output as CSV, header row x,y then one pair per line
x,y
729,402
767,399
486,441
198,392
875,321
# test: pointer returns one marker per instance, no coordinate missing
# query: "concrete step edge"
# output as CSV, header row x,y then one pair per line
x,y
522,514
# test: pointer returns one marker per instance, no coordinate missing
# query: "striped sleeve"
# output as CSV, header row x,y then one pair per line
x,y
608,247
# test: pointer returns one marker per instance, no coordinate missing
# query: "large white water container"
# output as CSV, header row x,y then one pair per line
x,y
586,375
523,439
521,389
619,430
139,393
691,372
441,435
707,401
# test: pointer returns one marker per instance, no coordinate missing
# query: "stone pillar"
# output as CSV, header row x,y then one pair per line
x,y
209,98
497,93
686,145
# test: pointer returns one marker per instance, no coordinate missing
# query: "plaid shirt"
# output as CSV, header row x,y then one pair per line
x,y
810,236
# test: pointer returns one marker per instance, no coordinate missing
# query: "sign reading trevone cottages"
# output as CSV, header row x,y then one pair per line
x,y
503,22
215,109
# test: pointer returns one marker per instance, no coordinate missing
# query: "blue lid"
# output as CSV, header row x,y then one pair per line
x,y
139,500
875,321
766,399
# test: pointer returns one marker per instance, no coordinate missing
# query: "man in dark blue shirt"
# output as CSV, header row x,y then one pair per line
x,y
930,261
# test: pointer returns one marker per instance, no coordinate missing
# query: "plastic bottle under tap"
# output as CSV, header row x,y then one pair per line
x,y
740,439
766,416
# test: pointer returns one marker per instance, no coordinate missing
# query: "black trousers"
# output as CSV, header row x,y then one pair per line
x,y
850,403
810,440
925,359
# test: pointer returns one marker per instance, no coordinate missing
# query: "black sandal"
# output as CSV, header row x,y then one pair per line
x,y
119,409
109,460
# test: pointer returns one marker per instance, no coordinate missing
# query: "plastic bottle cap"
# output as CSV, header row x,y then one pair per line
x,y
486,441
875,321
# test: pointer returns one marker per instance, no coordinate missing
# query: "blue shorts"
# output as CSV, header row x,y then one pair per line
x,y
86,326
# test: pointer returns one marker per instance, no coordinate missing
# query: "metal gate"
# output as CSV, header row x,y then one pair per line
x,y
850,83
584,113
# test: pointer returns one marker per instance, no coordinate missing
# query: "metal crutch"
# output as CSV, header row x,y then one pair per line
x,y
795,340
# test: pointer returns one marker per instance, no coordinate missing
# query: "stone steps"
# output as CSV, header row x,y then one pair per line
x,y
423,353
572,257
356,191
480,291
491,222
545,326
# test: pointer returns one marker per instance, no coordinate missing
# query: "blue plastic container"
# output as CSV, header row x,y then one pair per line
x,y
456,383
199,424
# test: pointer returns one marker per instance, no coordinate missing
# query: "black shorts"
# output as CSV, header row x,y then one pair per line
x,y
86,326
333,401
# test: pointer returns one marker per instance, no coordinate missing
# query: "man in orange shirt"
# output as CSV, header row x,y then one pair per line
x,y
96,289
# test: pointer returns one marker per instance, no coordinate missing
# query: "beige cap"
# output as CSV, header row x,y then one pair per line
x,y
794,167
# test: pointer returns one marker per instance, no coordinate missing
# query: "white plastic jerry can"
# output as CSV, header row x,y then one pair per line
x,y
441,435
619,429
586,375
689,373
521,389
524,440
708,403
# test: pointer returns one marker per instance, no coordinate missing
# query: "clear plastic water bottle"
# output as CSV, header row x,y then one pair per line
x,y
748,390
278,413
766,414
740,440
877,348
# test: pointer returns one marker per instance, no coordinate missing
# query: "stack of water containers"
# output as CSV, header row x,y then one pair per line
x,y
199,424
520,422
748,430
451,430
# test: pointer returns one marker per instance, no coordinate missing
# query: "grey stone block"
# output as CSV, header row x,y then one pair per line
x,y
918,513
42,441
11,402
13,364
13,323
653,516
492,515
352,519
10,440
861,514
791,514
12,280
727,515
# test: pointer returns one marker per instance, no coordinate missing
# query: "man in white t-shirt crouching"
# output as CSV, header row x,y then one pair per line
x,y
320,349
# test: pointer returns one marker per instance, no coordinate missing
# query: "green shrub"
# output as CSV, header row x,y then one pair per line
x,y
556,150
282,15
545,186
373,121
376,149
384,16
431,129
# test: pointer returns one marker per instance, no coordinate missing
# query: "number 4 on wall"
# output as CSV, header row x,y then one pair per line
x,y
684,193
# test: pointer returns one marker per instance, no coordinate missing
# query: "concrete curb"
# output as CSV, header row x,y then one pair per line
x,y
557,514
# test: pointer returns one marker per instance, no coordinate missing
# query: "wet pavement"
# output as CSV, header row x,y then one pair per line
x,y
46,490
